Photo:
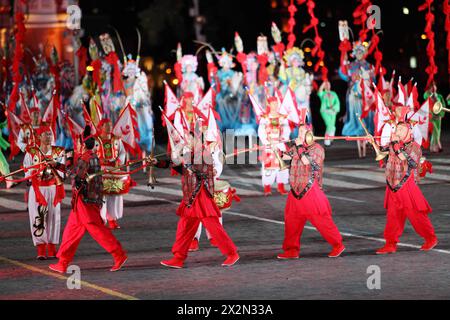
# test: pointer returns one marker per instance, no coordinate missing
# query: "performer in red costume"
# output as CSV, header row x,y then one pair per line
x,y
306,201
112,154
198,205
85,215
403,197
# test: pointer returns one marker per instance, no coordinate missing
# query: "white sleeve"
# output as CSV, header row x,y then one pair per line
x,y
262,134
386,133
178,123
417,135
21,141
27,162
62,160
285,134
122,153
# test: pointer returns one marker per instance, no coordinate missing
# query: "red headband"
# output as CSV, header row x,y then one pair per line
x,y
272,99
102,122
188,95
43,129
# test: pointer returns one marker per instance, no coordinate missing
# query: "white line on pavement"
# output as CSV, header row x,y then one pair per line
x,y
9,203
440,167
440,160
329,182
363,175
345,234
437,176
346,199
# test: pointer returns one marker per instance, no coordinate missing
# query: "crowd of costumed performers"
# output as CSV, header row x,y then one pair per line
x,y
99,132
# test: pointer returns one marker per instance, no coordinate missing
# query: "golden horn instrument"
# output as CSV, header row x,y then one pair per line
x,y
93,175
438,107
280,161
238,152
380,155
310,137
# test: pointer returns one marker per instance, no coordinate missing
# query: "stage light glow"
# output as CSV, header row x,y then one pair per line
x,y
413,62
405,10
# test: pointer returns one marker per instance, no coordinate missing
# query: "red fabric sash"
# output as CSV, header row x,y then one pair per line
x,y
113,60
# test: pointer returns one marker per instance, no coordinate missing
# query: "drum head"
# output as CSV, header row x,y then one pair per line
x,y
220,185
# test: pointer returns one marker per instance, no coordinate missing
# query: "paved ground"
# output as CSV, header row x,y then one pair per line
x,y
355,188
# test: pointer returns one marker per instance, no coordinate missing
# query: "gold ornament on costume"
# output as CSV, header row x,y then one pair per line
x,y
220,199
111,186
293,52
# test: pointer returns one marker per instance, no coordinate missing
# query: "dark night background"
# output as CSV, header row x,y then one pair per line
x,y
164,23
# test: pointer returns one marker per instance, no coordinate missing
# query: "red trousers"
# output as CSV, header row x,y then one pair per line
x,y
318,214
86,217
187,228
395,223
408,202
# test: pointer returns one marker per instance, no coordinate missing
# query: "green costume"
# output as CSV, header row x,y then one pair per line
x,y
436,120
329,108
4,166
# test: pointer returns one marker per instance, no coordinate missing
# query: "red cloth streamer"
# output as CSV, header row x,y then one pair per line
x,y
291,24
263,75
241,57
360,18
431,69
212,75
96,74
425,167
317,51
113,60
82,61
60,195
344,47
279,48
377,54
38,194
17,59
55,71
178,72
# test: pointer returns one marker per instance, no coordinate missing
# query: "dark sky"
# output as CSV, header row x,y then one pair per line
x,y
166,22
